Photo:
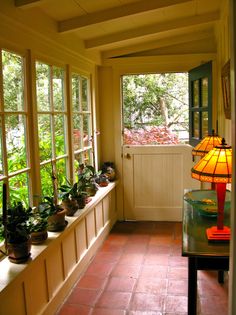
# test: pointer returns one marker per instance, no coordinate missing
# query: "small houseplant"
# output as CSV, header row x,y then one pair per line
x,y
16,232
87,178
38,223
69,195
56,212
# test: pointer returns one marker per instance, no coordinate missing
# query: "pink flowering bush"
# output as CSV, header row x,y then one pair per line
x,y
150,135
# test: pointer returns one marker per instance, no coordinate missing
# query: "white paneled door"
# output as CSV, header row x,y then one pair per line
x,y
154,181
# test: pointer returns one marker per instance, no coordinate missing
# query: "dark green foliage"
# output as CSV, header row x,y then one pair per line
x,y
17,228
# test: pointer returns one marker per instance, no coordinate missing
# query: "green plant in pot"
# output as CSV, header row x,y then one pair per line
x,y
87,178
16,233
82,186
38,224
56,214
69,195
50,204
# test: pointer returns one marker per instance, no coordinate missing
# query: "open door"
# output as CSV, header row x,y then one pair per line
x,y
200,103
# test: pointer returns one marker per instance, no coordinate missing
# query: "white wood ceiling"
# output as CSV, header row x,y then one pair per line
x,y
133,27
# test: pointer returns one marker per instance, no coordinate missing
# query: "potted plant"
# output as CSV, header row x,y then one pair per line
x,y
50,204
83,183
102,180
56,214
16,233
87,176
38,224
108,168
69,195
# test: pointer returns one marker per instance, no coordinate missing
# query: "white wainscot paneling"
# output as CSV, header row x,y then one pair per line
x,y
40,285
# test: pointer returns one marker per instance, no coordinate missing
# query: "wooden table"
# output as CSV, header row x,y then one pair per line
x,y
202,255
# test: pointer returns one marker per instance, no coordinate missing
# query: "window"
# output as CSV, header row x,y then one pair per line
x,y
155,108
14,162
200,103
52,124
81,121
34,139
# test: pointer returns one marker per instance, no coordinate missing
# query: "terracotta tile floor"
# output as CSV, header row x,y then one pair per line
x,y
139,271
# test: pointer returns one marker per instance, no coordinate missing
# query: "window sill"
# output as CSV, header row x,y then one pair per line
x,y
9,271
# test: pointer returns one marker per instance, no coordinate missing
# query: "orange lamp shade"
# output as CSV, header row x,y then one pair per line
x,y
215,166
206,145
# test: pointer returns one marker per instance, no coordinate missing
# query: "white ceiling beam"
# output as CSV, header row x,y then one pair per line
x,y
115,13
159,43
26,3
151,30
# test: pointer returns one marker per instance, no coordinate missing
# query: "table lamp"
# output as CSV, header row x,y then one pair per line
x,y
216,167
206,145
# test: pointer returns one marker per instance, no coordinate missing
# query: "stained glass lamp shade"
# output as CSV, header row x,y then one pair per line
x,y
216,167
206,145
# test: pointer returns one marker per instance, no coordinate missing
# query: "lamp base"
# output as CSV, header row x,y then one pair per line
x,y
214,234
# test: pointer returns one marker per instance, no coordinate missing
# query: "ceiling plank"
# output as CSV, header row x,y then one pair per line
x,y
164,42
151,30
114,13
26,3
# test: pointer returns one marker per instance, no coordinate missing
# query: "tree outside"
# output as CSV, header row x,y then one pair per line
x,y
155,108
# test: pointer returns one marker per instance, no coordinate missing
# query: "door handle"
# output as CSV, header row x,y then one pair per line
x,y
128,156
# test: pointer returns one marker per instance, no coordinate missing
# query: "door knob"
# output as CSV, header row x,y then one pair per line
x,y
128,156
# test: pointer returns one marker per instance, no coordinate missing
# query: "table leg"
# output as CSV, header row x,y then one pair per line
x,y
192,286
221,276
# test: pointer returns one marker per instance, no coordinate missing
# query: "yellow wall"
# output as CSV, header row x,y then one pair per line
x,y
223,55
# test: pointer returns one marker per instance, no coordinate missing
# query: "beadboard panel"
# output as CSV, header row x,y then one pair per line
x,y
90,227
99,218
12,299
69,253
54,269
106,209
154,181
81,238
36,293
40,285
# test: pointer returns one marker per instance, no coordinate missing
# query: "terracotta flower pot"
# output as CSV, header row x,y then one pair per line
x,y
57,222
39,237
19,253
71,206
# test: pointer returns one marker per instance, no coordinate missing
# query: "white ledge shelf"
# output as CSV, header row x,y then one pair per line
x,y
10,271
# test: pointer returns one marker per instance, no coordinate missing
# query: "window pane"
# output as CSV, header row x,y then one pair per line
x,y
196,93
77,132
87,130
13,82
19,188
85,104
43,86
196,125
61,172
15,142
60,134
87,157
45,137
46,180
58,89
75,93
205,92
204,124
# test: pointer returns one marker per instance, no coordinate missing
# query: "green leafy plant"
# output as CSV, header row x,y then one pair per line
x,y
16,228
39,220
68,191
49,206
